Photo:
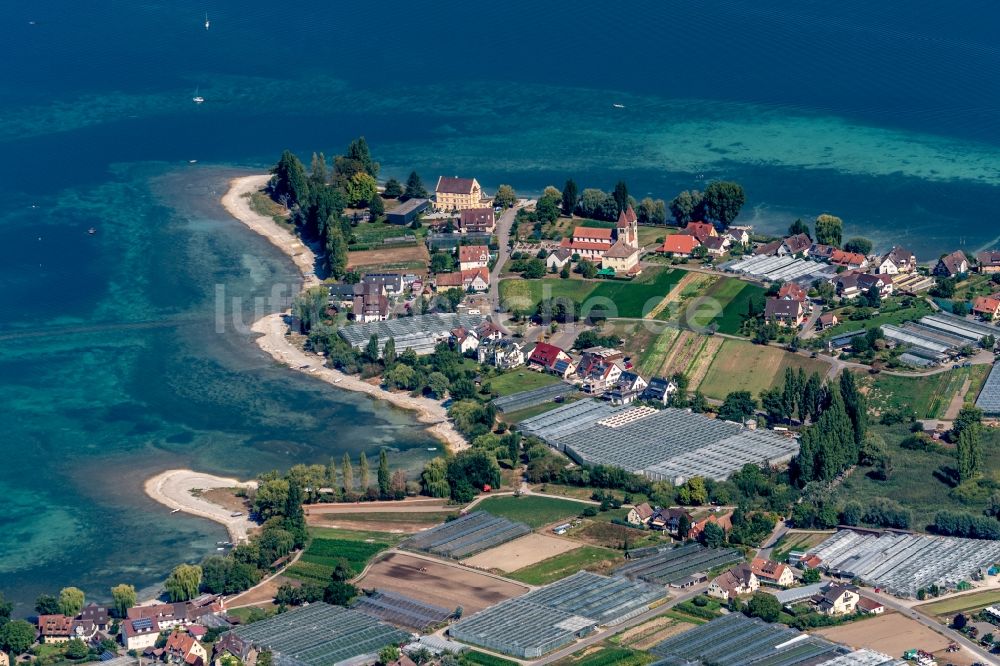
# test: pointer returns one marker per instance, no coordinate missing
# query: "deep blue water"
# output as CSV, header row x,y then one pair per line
x,y
110,366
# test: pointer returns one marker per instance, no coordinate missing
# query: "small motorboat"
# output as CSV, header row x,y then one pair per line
x,y
175,511
92,231
618,106
207,23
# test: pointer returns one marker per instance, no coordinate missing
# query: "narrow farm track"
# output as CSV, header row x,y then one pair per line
x,y
671,296
704,361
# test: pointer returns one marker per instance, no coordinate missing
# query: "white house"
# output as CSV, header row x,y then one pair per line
x,y
502,354
730,584
473,256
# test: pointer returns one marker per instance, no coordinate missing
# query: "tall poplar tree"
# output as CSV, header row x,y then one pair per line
x,y
363,472
570,195
348,472
384,476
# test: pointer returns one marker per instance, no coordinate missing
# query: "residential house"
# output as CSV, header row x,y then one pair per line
x,y
476,279
869,606
56,628
739,234
477,220
626,389
700,230
769,249
488,331
389,283
989,261
733,583
589,242
407,212
826,320
772,573
465,340
183,648
791,291
847,285
952,264
473,256
849,260
797,244
139,633
680,245
837,600
659,390
457,193
502,354
622,258
716,245
598,376
640,514
883,283
821,251
371,305
558,258
669,520
178,614
342,295
550,358
987,307
787,312
725,521
229,644
895,261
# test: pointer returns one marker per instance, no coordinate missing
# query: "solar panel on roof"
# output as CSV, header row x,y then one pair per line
x,y
142,624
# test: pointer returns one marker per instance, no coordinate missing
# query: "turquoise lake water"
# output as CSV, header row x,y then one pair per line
x,y
110,364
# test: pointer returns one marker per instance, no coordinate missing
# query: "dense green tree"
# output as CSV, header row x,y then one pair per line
x,y
811,576
289,183
358,151
738,406
388,655
393,189
858,244
856,407
214,572
270,498
415,187
76,649
389,352
688,206
123,597
17,636
442,262
363,472
651,212
570,196
693,492
547,208
317,171
338,593
434,478
773,404
372,350
183,582
348,473
713,536
799,227
765,606
384,476
360,189
324,207
295,517
587,269
438,383
967,433
71,601
47,604
597,204
723,201
505,197
829,230
310,306
6,608
472,468
376,208
621,195
336,252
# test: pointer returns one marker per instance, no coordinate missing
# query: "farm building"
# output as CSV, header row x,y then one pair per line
x,y
421,333
937,337
989,397
667,445
556,615
402,611
467,535
673,565
408,211
785,269
903,563
320,635
736,640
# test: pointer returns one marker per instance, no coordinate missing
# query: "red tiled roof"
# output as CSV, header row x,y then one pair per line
x,y
847,258
680,243
626,217
55,625
476,217
986,304
700,230
583,245
473,253
792,291
545,354
450,185
592,232
621,250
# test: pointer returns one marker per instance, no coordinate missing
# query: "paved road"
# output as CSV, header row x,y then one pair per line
x,y
780,529
503,254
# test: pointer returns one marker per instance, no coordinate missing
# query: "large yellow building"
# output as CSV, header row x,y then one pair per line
x,y
457,194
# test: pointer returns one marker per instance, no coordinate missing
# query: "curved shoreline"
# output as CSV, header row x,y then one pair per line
x,y
173,487
272,327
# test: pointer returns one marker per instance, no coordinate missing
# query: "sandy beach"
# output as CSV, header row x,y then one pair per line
x,y
273,328
173,488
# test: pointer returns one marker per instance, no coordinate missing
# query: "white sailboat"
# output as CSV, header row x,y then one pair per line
x,y
207,22
197,99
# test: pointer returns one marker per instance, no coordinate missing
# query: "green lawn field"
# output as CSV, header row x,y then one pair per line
x,y
973,601
743,366
520,379
523,296
327,545
636,298
533,511
566,564
734,296
926,397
